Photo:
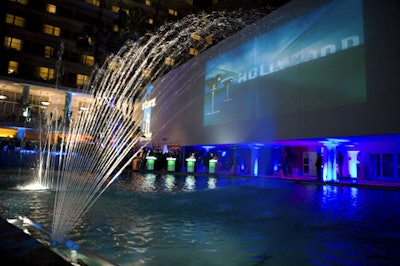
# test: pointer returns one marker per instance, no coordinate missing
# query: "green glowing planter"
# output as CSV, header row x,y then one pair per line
x,y
150,160
212,166
190,164
171,164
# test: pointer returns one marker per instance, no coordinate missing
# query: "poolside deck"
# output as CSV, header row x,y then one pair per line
x,y
18,248
347,182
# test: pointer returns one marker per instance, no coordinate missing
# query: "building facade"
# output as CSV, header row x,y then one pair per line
x,y
312,77
49,49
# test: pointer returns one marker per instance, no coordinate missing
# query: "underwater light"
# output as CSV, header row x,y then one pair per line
x,y
32,186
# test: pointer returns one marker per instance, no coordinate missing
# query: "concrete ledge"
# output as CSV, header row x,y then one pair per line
x,y
18,248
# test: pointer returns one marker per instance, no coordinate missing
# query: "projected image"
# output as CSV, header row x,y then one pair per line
x,y
311,62
147,105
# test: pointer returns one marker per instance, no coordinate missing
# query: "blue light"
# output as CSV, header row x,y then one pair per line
x,y
255,172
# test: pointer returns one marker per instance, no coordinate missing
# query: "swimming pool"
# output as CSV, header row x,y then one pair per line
x,y
147,219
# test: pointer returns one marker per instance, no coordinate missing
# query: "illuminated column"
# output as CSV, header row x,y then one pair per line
x,y
254,160
330,173
353,163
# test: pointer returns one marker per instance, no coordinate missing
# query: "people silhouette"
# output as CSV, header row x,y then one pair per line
x,y
318,166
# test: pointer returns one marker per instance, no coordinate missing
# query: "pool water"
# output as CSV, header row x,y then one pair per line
x,y
144,219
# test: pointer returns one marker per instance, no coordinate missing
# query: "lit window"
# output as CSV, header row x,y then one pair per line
x,y
214,2
88,60
13,43
23,2
90,41
209,39
12,67
195,36
116,28
51,30
81,80
15,20
115,9
93,2
148,3
151,21
169,61
112,65
46,73
51,8
193,51
146,73
172,12
48,51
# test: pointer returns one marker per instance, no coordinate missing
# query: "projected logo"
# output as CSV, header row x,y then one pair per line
x,y
324,32
218,84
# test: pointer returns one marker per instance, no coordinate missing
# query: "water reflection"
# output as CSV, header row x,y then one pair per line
x,y
329,194
212,182
149,182
165,220
169,182
190,183
354,196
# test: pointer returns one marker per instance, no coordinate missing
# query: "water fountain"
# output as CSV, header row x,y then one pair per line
x,y
84,171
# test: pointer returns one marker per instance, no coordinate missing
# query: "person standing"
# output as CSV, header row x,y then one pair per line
x,y
340,163
318,166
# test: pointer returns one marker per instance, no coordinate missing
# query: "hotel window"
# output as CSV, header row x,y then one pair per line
x,y
147,2
209,39
172,12
146,73
23,2
13,43
88,60
12,67
93,2
51,8
81,80
15,20
115,9
382,165
51,30
151,21
193,51
195,36
169,61
48,51
387,165
46,73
